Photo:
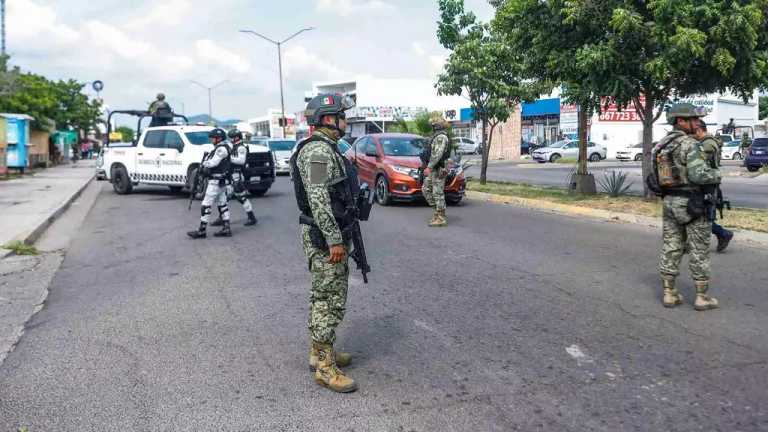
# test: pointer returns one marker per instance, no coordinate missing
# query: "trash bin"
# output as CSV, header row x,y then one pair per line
x,y
17,138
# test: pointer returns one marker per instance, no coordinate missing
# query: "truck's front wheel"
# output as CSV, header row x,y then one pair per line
x,y
121,182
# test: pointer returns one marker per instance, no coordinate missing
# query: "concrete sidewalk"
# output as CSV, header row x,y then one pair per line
x,y
30,204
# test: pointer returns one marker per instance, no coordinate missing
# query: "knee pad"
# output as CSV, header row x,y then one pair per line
x,y
205,210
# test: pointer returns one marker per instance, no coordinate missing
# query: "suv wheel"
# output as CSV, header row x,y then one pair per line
x,y
736,156
594,157
121,182
752,168
382,191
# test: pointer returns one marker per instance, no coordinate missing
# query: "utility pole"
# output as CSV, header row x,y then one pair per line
x,y
2,23
283,120
210,90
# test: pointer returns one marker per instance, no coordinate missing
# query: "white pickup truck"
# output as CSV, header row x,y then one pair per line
x,y
170,156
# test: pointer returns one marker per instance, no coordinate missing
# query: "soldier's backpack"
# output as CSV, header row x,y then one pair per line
x,y
665,174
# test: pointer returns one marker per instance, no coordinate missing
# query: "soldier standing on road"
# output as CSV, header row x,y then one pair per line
x,y
320,174
216,168
240,191
161,112
711,146
687,180
434,157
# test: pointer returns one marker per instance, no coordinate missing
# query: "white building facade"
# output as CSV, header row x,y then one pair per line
x,y
382,102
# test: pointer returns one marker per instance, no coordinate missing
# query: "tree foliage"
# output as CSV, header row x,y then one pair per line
x,y
126,132
49,102
482,68
645,53
763,107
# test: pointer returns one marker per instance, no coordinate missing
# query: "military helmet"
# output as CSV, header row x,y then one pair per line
x,y
217,133
234,133
326,104
437,121
160,96
683,110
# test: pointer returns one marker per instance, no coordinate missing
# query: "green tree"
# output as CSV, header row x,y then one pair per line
x,y
126,132
74,108
481,67
763,101
647,53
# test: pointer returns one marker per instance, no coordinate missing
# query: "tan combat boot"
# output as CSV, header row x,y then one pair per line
x,y
328,374
672,298
439,219
342,359
434,219
703,301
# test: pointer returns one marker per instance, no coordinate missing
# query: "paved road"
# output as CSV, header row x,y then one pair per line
x,y
507,320
741,191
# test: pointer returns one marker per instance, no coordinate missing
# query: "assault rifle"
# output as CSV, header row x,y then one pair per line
x,y
363,203
720,202
197,182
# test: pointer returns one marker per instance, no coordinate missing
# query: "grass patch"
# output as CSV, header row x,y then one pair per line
x,y
742,218
764,169
21,248
567,160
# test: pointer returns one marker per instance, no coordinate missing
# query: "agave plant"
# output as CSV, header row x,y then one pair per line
x,y
614,183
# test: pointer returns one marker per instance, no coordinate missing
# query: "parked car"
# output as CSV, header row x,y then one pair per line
x,y
570,149
390,162
526,147
631,153
282,149
466,146
731,150
758,154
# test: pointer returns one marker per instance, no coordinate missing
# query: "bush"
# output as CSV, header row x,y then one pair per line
x,y
614,183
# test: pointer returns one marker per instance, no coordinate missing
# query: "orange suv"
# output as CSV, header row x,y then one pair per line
x,y
390,161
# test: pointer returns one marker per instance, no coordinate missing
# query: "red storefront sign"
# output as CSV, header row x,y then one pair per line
x,y
611,112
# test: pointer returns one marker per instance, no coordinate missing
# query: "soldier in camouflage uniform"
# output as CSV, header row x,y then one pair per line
x,y
434,158
686,223
318,169
712,146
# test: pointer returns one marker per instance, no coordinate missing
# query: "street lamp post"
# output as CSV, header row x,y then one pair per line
x,y
210,89
279,44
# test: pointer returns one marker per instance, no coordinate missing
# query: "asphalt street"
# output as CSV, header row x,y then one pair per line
x,y
508,319
741,191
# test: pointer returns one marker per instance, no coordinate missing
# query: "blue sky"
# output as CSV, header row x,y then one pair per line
x,y
146,47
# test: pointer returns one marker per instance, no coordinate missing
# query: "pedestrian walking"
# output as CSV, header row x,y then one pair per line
x,y
687,181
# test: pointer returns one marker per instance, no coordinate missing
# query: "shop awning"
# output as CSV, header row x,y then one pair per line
x,y
542,107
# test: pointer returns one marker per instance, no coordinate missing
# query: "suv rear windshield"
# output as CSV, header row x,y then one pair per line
x,y
286,145
198,138
401,146
760,142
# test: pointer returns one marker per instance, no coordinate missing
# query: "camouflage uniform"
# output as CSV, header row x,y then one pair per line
x,y
681,232
319,168
434,186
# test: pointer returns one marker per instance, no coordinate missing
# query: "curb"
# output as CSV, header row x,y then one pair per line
x,y
565,209
32,236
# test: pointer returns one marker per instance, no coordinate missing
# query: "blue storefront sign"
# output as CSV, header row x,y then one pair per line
x,y
541,107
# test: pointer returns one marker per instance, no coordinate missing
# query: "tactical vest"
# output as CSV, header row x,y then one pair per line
x,y
163,111
236,167
222,169
669,174
426,152
343,193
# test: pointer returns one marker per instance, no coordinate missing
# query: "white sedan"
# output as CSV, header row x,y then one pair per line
x,y
569,149
732,150
466,146
631,153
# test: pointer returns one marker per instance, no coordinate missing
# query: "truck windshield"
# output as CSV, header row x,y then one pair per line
x,y
198,138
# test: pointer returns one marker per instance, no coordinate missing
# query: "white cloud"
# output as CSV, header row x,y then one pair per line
x,y
107,37
34,25
163,15
298,60
214,54
436,64
347,8
418,48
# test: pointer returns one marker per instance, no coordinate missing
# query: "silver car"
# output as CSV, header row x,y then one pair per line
x,y
569,149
